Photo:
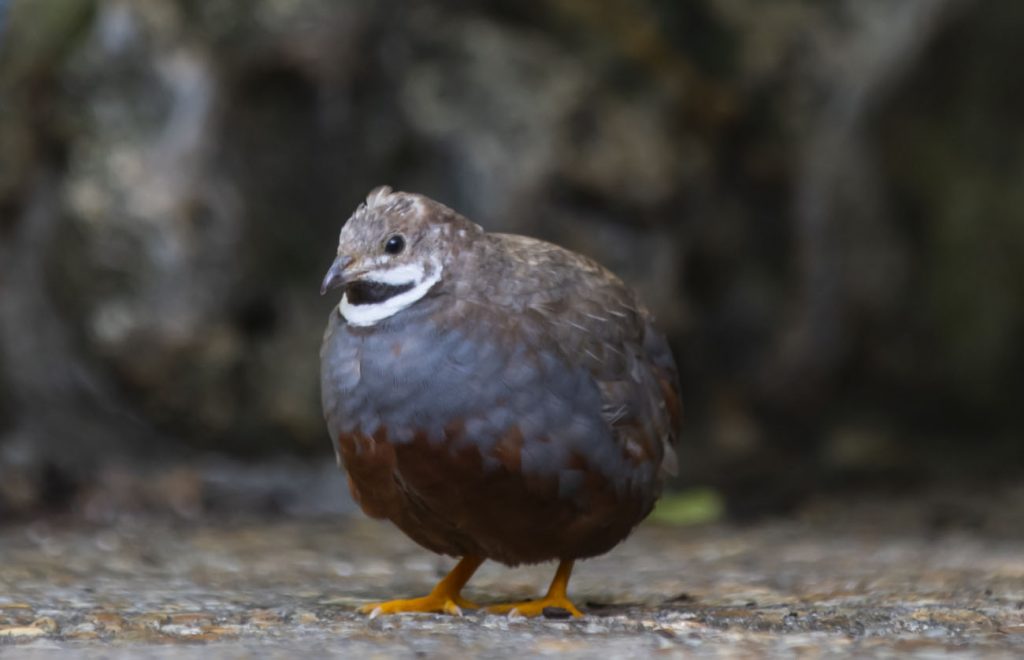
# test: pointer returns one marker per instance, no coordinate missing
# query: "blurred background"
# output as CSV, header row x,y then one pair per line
x,y
822,201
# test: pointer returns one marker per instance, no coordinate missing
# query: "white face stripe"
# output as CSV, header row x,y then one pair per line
x,y
398,275
366,315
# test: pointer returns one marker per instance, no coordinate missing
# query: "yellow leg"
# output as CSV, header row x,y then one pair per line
x,y
556,597
444,598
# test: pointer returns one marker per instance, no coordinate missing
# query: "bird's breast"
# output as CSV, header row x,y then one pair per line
x,y
514,404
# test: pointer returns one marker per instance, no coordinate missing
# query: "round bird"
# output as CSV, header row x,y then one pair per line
x,y
494,396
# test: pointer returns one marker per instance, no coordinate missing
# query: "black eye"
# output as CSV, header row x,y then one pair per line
x,y
395,244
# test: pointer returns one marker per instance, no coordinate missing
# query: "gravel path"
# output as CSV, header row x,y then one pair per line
x,y
157,588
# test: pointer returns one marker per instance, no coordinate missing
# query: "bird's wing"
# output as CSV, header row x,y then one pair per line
x,y
559,297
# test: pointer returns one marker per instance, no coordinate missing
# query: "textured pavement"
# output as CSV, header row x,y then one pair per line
x,y
153,587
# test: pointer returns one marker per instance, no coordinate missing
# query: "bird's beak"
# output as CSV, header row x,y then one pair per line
x,y
335,276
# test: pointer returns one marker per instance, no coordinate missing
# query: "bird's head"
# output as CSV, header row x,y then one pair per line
x,y
392,252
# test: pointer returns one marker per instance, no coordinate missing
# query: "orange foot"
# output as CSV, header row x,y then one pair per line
x,y
532,608
444,599
555,598
438,603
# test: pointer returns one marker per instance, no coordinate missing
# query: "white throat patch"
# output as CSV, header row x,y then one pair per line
x,y
369,314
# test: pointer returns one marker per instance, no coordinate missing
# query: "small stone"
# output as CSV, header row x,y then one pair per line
x,y
189,618
177,630
556,613
110,621
557,646
81,631
306,618
45,623
153,619
21,631
264,618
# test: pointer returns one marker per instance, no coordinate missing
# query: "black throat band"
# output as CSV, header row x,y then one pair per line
x,y
365,292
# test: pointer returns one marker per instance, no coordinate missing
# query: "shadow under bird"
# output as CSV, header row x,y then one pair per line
x,y
494,396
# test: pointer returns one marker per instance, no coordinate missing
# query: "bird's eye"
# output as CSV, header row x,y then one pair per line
x,y
394,245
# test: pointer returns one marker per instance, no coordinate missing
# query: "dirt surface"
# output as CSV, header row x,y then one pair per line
x,y
151,587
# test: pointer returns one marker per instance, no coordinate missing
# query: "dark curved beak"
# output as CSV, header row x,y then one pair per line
x,y
335,276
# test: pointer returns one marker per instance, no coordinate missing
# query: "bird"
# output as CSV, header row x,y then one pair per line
x,y
495,396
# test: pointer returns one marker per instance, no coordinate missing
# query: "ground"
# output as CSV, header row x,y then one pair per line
x,y
158,587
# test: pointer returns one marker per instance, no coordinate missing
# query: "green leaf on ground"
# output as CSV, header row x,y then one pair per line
x,y
690,507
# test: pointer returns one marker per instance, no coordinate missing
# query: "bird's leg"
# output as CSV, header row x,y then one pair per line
x,y
444,598
555,598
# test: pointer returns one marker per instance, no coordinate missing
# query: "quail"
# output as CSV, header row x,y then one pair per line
x,y
492,395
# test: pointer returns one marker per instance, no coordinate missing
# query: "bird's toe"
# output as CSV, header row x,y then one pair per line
x,y
426,604
549,606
